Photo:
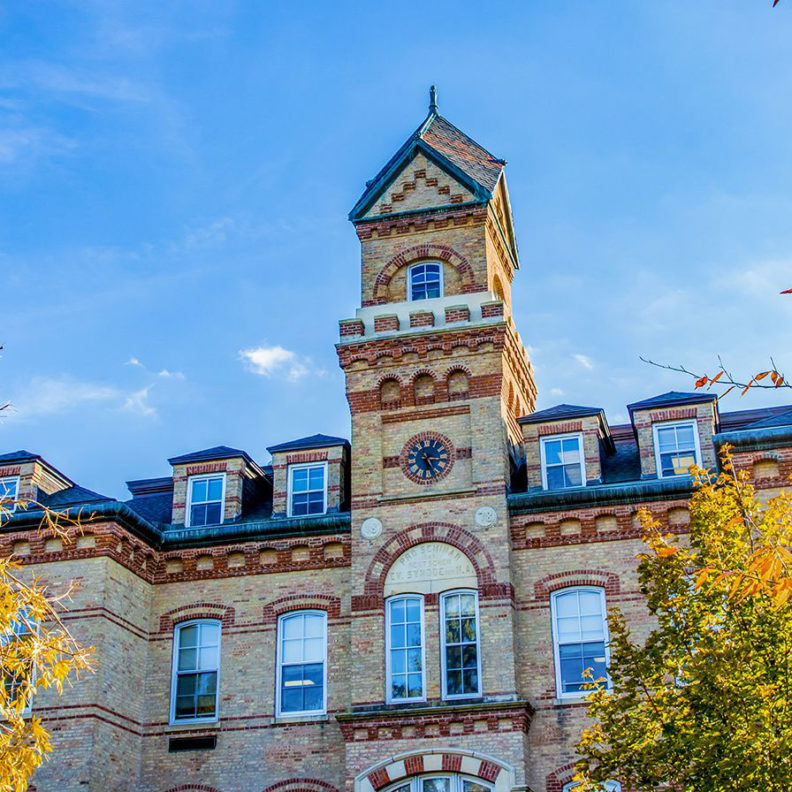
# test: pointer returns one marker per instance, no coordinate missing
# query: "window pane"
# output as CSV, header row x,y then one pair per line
x,y
213,513
413,635
467,605
552,450
299,505
685,436
199,490
397,611
571,450
198,515
292,651
215,489
398,661
452,631
474,786
415,689
185,685
293,627
187,659
436,784
414,660
314,649
210,634
413,610
398,636
666,439
207,658
572,475
590,603
316,478
470,681
291,700
188,636
555,477
399,686
314,626
300,479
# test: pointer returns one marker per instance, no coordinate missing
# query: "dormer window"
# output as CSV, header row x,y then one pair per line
x,y
307,489
563,465
425,281
206,496
676,448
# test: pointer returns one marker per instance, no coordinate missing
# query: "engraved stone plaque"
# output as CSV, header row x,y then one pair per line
x,y
371,528
429,568
486,517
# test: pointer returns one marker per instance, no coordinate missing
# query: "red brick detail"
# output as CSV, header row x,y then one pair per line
x,y
309,456
207,467
426,251
390,462
307,601
422,319
197,610
561,775
457,313
384,558
386,324
577,577
489,771
452,762
678,414
379,778
491,310
464,453
423,415
301,785
413,765
11,471
351,327
403,457
193,788
556,428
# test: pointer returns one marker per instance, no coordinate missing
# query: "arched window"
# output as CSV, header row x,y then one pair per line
x,y
459,652
302,663
195,687
424,281
423,389
608,786
457,385
580,637
390,394
442,782
404,653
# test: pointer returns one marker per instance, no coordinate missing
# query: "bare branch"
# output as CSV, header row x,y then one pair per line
x,y
723,378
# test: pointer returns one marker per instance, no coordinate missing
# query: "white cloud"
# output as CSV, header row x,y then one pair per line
x,y
137,402
46,396
275,361
165,374
584,361
556,392
133,361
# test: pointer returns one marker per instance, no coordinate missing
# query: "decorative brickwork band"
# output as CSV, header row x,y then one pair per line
x,y
577,577
307,601
301,785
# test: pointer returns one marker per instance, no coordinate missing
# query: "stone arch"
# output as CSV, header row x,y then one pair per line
x,y
390,393
300,785
458,383
577,577
308,601
454,760
444,253
561,775
192,788
446,533
197,610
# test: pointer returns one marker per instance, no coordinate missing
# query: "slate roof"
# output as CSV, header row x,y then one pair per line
x,y
313,441
18,456
217,452
779,419
440,140
739,419
72,496
559,412
672,398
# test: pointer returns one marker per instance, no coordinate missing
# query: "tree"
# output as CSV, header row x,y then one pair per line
x,y
703,703
37,651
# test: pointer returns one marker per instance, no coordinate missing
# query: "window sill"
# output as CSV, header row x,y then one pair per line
x,y
289,719
203,725
569,701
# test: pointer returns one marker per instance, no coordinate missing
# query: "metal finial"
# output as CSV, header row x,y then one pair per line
x,y
433,99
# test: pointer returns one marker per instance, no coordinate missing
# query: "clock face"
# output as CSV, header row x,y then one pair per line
x,y
427,458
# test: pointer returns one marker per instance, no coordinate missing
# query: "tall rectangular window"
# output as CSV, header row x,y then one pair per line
x,y
426,281
206,497
405,649
579,638
196,669
9,493
302,663
19,682
307,489
461,660
676,448
563,464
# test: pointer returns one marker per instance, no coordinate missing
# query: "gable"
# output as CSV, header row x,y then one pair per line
x,y
420,184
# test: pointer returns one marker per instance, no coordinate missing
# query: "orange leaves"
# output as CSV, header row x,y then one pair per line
x,y
786,291
666,551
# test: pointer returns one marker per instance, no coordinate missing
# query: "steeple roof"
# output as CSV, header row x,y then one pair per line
x,y
450,148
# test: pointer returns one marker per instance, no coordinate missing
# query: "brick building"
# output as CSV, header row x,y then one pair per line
x,y
410,611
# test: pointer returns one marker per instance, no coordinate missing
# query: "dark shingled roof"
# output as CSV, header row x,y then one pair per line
x,y
779,419
671,398
72,496
314,441
18,456
451,148
559,412
218,452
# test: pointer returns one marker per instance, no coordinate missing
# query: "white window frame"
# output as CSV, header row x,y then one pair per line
x,y
290,473
439,265
279,665
13,505
388,686
457,781
608,786
579,437
667,425
13,634
188,512
173,720
576,694
441,627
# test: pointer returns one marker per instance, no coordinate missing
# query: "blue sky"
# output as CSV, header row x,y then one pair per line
x,y
175,179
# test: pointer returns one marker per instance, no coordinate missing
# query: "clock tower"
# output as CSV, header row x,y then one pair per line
x,y
436,376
